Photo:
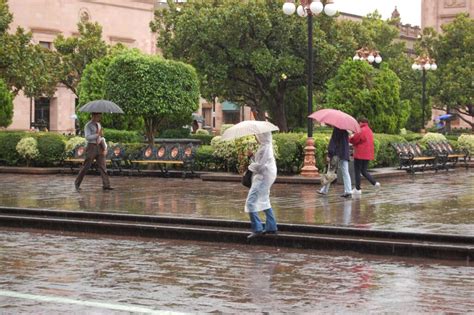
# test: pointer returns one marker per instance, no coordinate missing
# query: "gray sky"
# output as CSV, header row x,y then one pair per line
x,y
410,10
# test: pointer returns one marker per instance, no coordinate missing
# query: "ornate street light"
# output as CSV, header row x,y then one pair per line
x,y
369,55
423,63
307,9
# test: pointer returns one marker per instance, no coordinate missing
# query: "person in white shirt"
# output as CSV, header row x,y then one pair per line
x,y
96,150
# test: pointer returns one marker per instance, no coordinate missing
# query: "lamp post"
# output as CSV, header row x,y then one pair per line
x,y
369,55
307,9
423,63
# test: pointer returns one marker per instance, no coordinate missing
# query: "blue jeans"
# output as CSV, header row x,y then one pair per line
x,y
256,224
346,178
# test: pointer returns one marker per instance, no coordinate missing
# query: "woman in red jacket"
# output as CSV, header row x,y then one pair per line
x,y
363,143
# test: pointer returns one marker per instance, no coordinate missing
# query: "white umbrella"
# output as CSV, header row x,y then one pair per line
x,y
101,106
247,128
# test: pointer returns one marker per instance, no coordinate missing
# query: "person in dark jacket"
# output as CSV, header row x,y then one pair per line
x,y
339,147
363,143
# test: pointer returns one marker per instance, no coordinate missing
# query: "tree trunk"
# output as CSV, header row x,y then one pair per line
x,y
150,130
277,105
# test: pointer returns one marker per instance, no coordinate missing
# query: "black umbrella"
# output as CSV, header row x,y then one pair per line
x,y
101,106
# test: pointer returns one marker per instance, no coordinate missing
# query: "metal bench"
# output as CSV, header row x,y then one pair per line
x,y
181,152
412,158
447,156
115,157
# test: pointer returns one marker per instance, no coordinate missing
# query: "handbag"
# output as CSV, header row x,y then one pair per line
x,y
247,178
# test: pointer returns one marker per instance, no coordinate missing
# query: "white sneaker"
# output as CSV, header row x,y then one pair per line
x,y
377,185
356,192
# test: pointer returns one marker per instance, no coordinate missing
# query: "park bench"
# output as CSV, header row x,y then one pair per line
x,y
166,152
412,158
115,158
447,156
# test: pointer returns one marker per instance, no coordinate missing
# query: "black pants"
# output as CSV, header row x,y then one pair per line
x,y
360,167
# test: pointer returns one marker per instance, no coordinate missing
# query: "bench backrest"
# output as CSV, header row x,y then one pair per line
x,y
79,151
169,152
116,152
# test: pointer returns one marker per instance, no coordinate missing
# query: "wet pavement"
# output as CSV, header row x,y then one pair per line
x,y
57,273
73,273
434,203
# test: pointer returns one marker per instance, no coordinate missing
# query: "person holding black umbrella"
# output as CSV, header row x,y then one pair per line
x,y
94,151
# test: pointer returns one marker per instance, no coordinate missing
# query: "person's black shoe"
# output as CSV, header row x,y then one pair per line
x,y
107,188
346,196
269,232
77,187
254,235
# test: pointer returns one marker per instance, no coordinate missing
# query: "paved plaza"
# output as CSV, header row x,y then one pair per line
x,y
57,272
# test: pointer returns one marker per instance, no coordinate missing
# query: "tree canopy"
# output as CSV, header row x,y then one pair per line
x,y
77,52
6,105
359,89
152,88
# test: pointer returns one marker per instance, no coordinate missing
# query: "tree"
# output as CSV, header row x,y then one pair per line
x,y
6,105
24,65
454,53
152,88
360,89
92,87
78,51
249,52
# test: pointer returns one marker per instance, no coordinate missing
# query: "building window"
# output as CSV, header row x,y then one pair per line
x,y
41,113
46,45
231,117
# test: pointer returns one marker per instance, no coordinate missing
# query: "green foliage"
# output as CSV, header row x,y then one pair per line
x,y
321,142
202,132
205,139
74,142
455,59
175,133
8,142
290,151
432,137
27,148
51,147
205,157
5,16
122,136
362,90
152,88
412,137
76,52
386,155
6,105
466,142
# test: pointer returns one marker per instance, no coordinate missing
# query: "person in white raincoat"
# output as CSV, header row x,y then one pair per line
x,y
264,170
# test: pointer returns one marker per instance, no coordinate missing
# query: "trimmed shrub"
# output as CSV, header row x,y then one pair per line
x,y
321,142
27,148
205,158
202,132
205,139
431,136
178,133
8,142
122,136
290,151
386,155
466,141
74,142
51,147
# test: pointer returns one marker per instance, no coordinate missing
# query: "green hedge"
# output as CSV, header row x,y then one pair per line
x,y
290,151
51,147
386,155
122,136
8,142
205,139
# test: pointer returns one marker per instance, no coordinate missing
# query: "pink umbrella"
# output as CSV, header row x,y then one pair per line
x,y
336,118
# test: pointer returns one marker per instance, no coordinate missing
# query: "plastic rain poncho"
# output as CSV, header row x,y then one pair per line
x,y
264,174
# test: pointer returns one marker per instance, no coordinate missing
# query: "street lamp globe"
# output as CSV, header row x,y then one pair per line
x,y
330,9
356,58
378,59
371,58
289,8
301,11
434,66
316,7
427,66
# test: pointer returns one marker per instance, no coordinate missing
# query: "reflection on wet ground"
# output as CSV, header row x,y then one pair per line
x,y
199,277
436,203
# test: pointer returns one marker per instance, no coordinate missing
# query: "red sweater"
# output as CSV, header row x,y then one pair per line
x,y
363,143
